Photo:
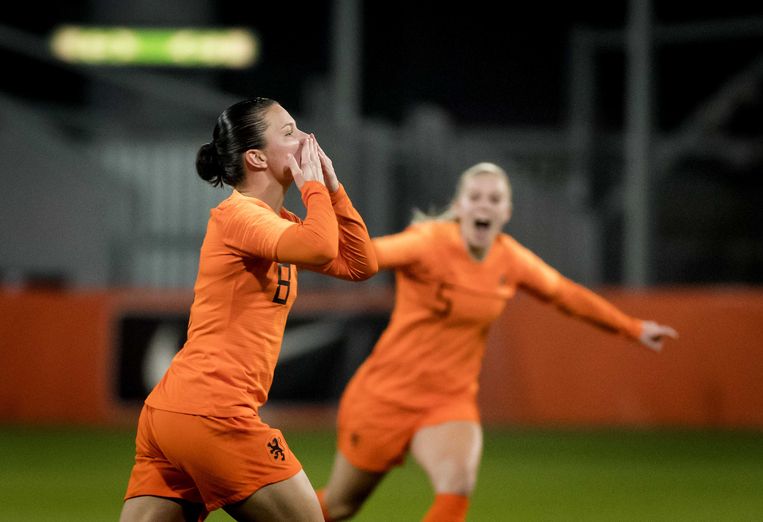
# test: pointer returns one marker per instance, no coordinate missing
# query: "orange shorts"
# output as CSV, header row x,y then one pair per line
x,y
375,435
213,461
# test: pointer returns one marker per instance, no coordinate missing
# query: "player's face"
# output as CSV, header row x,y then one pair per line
x,y
282,137
482,208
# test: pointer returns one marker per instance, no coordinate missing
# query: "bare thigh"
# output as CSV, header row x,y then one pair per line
x,y
348,488
292,499
450,454
148,509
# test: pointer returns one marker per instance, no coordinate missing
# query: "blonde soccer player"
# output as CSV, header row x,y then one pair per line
x,y
416,392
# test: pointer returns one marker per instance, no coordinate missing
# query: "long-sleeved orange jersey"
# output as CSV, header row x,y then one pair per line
x,y
445,301
245,287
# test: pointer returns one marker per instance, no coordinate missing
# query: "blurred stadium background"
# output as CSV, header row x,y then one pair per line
x,y
633,134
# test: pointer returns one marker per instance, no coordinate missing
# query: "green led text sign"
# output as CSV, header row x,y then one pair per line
x,y
233,48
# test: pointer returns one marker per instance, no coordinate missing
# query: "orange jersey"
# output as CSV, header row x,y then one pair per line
x,y
445,301
246,285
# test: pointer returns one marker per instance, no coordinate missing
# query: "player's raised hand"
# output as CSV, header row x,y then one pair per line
x,y
309,167
327,167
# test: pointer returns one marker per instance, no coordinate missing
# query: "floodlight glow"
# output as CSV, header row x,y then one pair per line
x,y
233,48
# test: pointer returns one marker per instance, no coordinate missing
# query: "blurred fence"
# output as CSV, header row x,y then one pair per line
x,y
135,204
102,191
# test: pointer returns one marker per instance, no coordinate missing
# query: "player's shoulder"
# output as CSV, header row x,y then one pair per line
x,y
290,216
507,241
434,228
509,246
421,230
237,203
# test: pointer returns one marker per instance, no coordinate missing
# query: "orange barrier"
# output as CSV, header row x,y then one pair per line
x,y
50,356
545,368
57,358
57,355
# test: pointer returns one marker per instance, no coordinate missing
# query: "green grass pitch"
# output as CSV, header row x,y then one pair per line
x,y
67,474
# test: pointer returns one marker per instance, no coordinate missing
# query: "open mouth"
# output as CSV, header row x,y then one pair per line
x,y
482,224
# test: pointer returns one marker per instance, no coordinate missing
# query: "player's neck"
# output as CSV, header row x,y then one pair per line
x,y
477,253
264,188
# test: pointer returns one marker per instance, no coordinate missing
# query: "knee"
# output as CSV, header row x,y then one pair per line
x,y
458,478
339,507
342,508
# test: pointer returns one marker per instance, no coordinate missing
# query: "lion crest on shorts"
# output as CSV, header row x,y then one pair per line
x,y
276,449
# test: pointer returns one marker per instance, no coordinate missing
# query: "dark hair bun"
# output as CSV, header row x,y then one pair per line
x,y
208,165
